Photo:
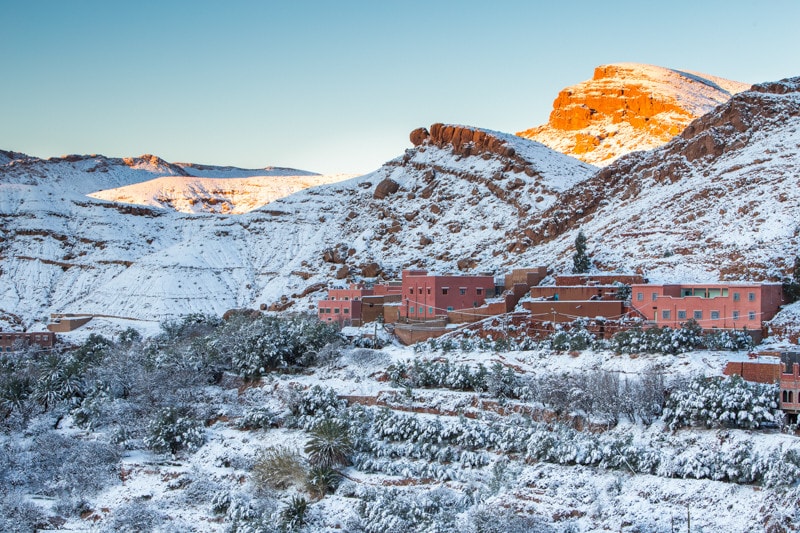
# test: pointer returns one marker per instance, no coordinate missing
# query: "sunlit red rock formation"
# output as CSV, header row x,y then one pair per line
x,y
627,107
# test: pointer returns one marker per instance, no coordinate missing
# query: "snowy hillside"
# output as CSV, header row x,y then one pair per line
x,y
225,195
65,252
627,107
718,202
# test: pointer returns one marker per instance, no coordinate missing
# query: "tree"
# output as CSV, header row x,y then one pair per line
x,y
580,260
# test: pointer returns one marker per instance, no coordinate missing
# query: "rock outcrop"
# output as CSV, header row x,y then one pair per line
x,y
627,107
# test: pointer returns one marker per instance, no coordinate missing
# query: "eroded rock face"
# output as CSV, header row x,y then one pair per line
x,y
627,107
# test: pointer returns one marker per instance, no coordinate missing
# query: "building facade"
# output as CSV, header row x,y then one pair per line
x,y
712,305
428,297
13,341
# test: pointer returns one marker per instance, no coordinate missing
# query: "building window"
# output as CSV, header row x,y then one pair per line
x,y
449,307
665,314
698,315
421,310
736,297
751,315
346,311
751,297
479,291
419,290
429,290
714,315
639,296
336,311
411,290
430,310
462,291
681,315
412,310
444,290
736,315
654,296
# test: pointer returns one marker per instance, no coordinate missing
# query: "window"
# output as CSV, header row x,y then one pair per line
x,y
479,291
462,291
681,315
444,290
714,315
429,290
665,314
686,292
751,315
654,296
449,307
736,315
421,310
336,311
419,290
751,297
346,311
698,315
639,296
736,297
412,310
411,290
430,310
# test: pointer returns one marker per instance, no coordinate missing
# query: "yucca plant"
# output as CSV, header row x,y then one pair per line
x,y
322,480
293,516
329,445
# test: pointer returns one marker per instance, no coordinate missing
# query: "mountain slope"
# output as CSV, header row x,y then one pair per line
x,y
627,107
447,204
225,195
720,201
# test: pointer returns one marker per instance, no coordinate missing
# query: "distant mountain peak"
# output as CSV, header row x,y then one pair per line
x,y
627,107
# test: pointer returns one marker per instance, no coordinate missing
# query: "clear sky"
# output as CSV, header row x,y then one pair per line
x,y
336,86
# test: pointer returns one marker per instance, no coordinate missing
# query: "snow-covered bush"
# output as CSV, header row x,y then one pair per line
x,y
723,402
658,340
134,517
398,511
293,516
575,337
278,467
329,445
735,340
172,431
500,381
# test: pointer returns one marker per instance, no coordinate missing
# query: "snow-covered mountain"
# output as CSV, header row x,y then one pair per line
x,y
719,201
436,205
627,107
218,194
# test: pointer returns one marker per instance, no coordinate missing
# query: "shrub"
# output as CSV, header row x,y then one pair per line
x,y
278,467
322,480
723,402
171,431
293,516
329,445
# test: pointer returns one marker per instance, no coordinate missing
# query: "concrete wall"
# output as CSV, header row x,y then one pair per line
x,y
567,311
65,323
569,293
756,371
598,279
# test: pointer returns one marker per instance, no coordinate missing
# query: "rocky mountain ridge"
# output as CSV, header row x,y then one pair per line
x,y
627,107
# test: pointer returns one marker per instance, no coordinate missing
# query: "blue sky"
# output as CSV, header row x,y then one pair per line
x,y
337,86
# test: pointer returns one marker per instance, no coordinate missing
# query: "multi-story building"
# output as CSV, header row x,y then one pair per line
x,y
355,305
712,305
428,296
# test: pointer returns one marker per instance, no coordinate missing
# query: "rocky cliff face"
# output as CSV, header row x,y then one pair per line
x,y
719,201
627,107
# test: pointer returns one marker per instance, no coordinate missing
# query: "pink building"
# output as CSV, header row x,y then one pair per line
x,y
343,306
712,305
346,307
426,297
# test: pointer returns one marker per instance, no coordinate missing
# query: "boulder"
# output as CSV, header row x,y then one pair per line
x,y
385,188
